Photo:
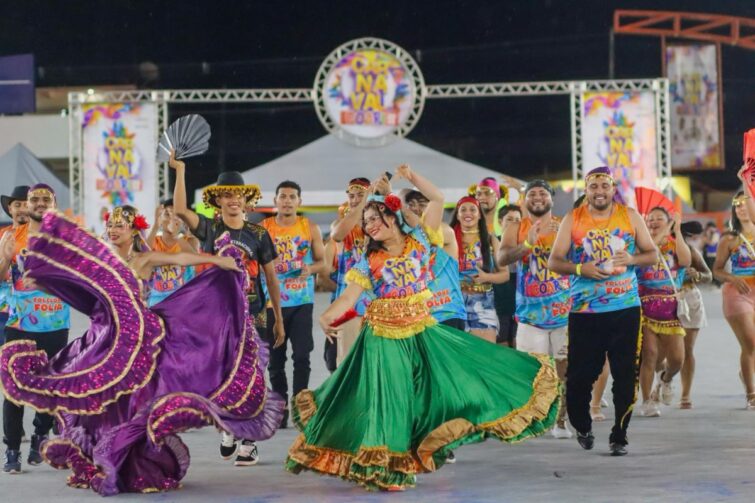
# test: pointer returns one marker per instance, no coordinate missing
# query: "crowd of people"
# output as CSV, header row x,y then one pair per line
x,y
504,322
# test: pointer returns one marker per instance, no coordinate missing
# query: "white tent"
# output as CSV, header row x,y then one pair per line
x,y
324,167
19,166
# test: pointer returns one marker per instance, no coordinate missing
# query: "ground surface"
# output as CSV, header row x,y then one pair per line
x,y
700,455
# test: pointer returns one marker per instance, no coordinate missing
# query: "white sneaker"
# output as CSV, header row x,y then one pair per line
x,y
247,454
666,392
650,409
227,446
561,432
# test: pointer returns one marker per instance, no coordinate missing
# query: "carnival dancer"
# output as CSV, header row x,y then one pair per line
x,y
599,244
35,317
301,255
447,305
489,194
14,206
695,319
662,332
504,294
349,237
543,299
231,197
411,390
738,291
139,375
166,237
477,269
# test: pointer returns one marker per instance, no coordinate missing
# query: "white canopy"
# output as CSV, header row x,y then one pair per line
x,y
19,166
324,167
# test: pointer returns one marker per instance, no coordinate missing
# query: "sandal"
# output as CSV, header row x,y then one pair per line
x,y
685,404
596,414
750,401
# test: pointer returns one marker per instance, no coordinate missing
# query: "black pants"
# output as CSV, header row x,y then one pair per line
x,y
297,321
591,337
456,323
13,415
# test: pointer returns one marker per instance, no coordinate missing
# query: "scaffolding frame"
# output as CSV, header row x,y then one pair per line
x,y
573,89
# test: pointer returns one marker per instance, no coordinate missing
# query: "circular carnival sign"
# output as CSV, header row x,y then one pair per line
x,y
369,92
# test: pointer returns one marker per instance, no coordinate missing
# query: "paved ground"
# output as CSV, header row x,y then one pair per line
x,y
700,455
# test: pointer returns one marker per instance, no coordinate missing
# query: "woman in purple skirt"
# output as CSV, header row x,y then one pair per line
x,y
139,376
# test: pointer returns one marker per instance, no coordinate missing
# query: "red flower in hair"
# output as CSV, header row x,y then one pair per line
x,y
106,217
140,223
393,202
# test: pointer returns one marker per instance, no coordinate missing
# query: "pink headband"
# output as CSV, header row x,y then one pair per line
x,y
491,184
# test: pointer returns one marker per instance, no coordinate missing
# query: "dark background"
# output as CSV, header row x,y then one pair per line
x,y
199,44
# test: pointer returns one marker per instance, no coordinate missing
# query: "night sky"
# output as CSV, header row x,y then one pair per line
x,y
217,44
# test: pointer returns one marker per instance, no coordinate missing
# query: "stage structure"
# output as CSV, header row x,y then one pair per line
x,y
369,92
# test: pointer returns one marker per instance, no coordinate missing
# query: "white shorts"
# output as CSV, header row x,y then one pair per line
x,y
537,340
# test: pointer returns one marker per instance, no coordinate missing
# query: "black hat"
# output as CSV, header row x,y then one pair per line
x,y
231,181
19,194
539,183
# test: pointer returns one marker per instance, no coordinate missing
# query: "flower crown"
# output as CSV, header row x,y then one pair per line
x,y
134,220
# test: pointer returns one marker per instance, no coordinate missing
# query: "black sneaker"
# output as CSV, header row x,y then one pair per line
x,y
618,449
586,440
12,462
248,455
451,457
227,446
35,458
284,419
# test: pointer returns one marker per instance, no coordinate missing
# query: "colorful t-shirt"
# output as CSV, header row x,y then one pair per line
x,y
447,302
257,251
166,279
742,259
4,282
597,240
470,258
399,277
655,280
294,247
543,298
352,251
33,310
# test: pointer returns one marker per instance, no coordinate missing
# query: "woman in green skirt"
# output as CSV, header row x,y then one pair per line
x,y
410,391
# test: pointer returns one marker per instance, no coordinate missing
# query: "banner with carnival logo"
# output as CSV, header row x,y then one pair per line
x,y
692,71
118,164
619,131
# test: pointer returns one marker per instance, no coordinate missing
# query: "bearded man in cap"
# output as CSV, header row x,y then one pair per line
x,y
599,244
33,314
542,296
230,197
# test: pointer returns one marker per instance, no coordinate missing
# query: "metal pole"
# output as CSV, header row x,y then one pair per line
x,y
611,53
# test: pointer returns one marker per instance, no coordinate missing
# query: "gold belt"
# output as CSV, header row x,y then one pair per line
x,y
476,287
398,318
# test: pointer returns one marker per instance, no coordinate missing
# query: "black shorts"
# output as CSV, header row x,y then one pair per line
x,y
507,327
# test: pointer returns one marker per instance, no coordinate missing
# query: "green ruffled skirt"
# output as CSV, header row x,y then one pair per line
x,y
397,406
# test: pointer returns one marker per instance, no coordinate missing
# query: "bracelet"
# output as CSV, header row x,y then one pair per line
x,y
578,271
527,245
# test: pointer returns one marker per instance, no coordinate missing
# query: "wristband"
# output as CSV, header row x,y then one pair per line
x,y
578,271
527,245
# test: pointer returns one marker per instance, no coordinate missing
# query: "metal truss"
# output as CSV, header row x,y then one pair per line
x,y
722,29
573,89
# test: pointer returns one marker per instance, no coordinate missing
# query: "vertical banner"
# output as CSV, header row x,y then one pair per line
x,y
692,71
619,131
118,164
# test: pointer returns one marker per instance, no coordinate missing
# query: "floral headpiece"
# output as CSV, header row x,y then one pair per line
x,y
393,203
124,216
